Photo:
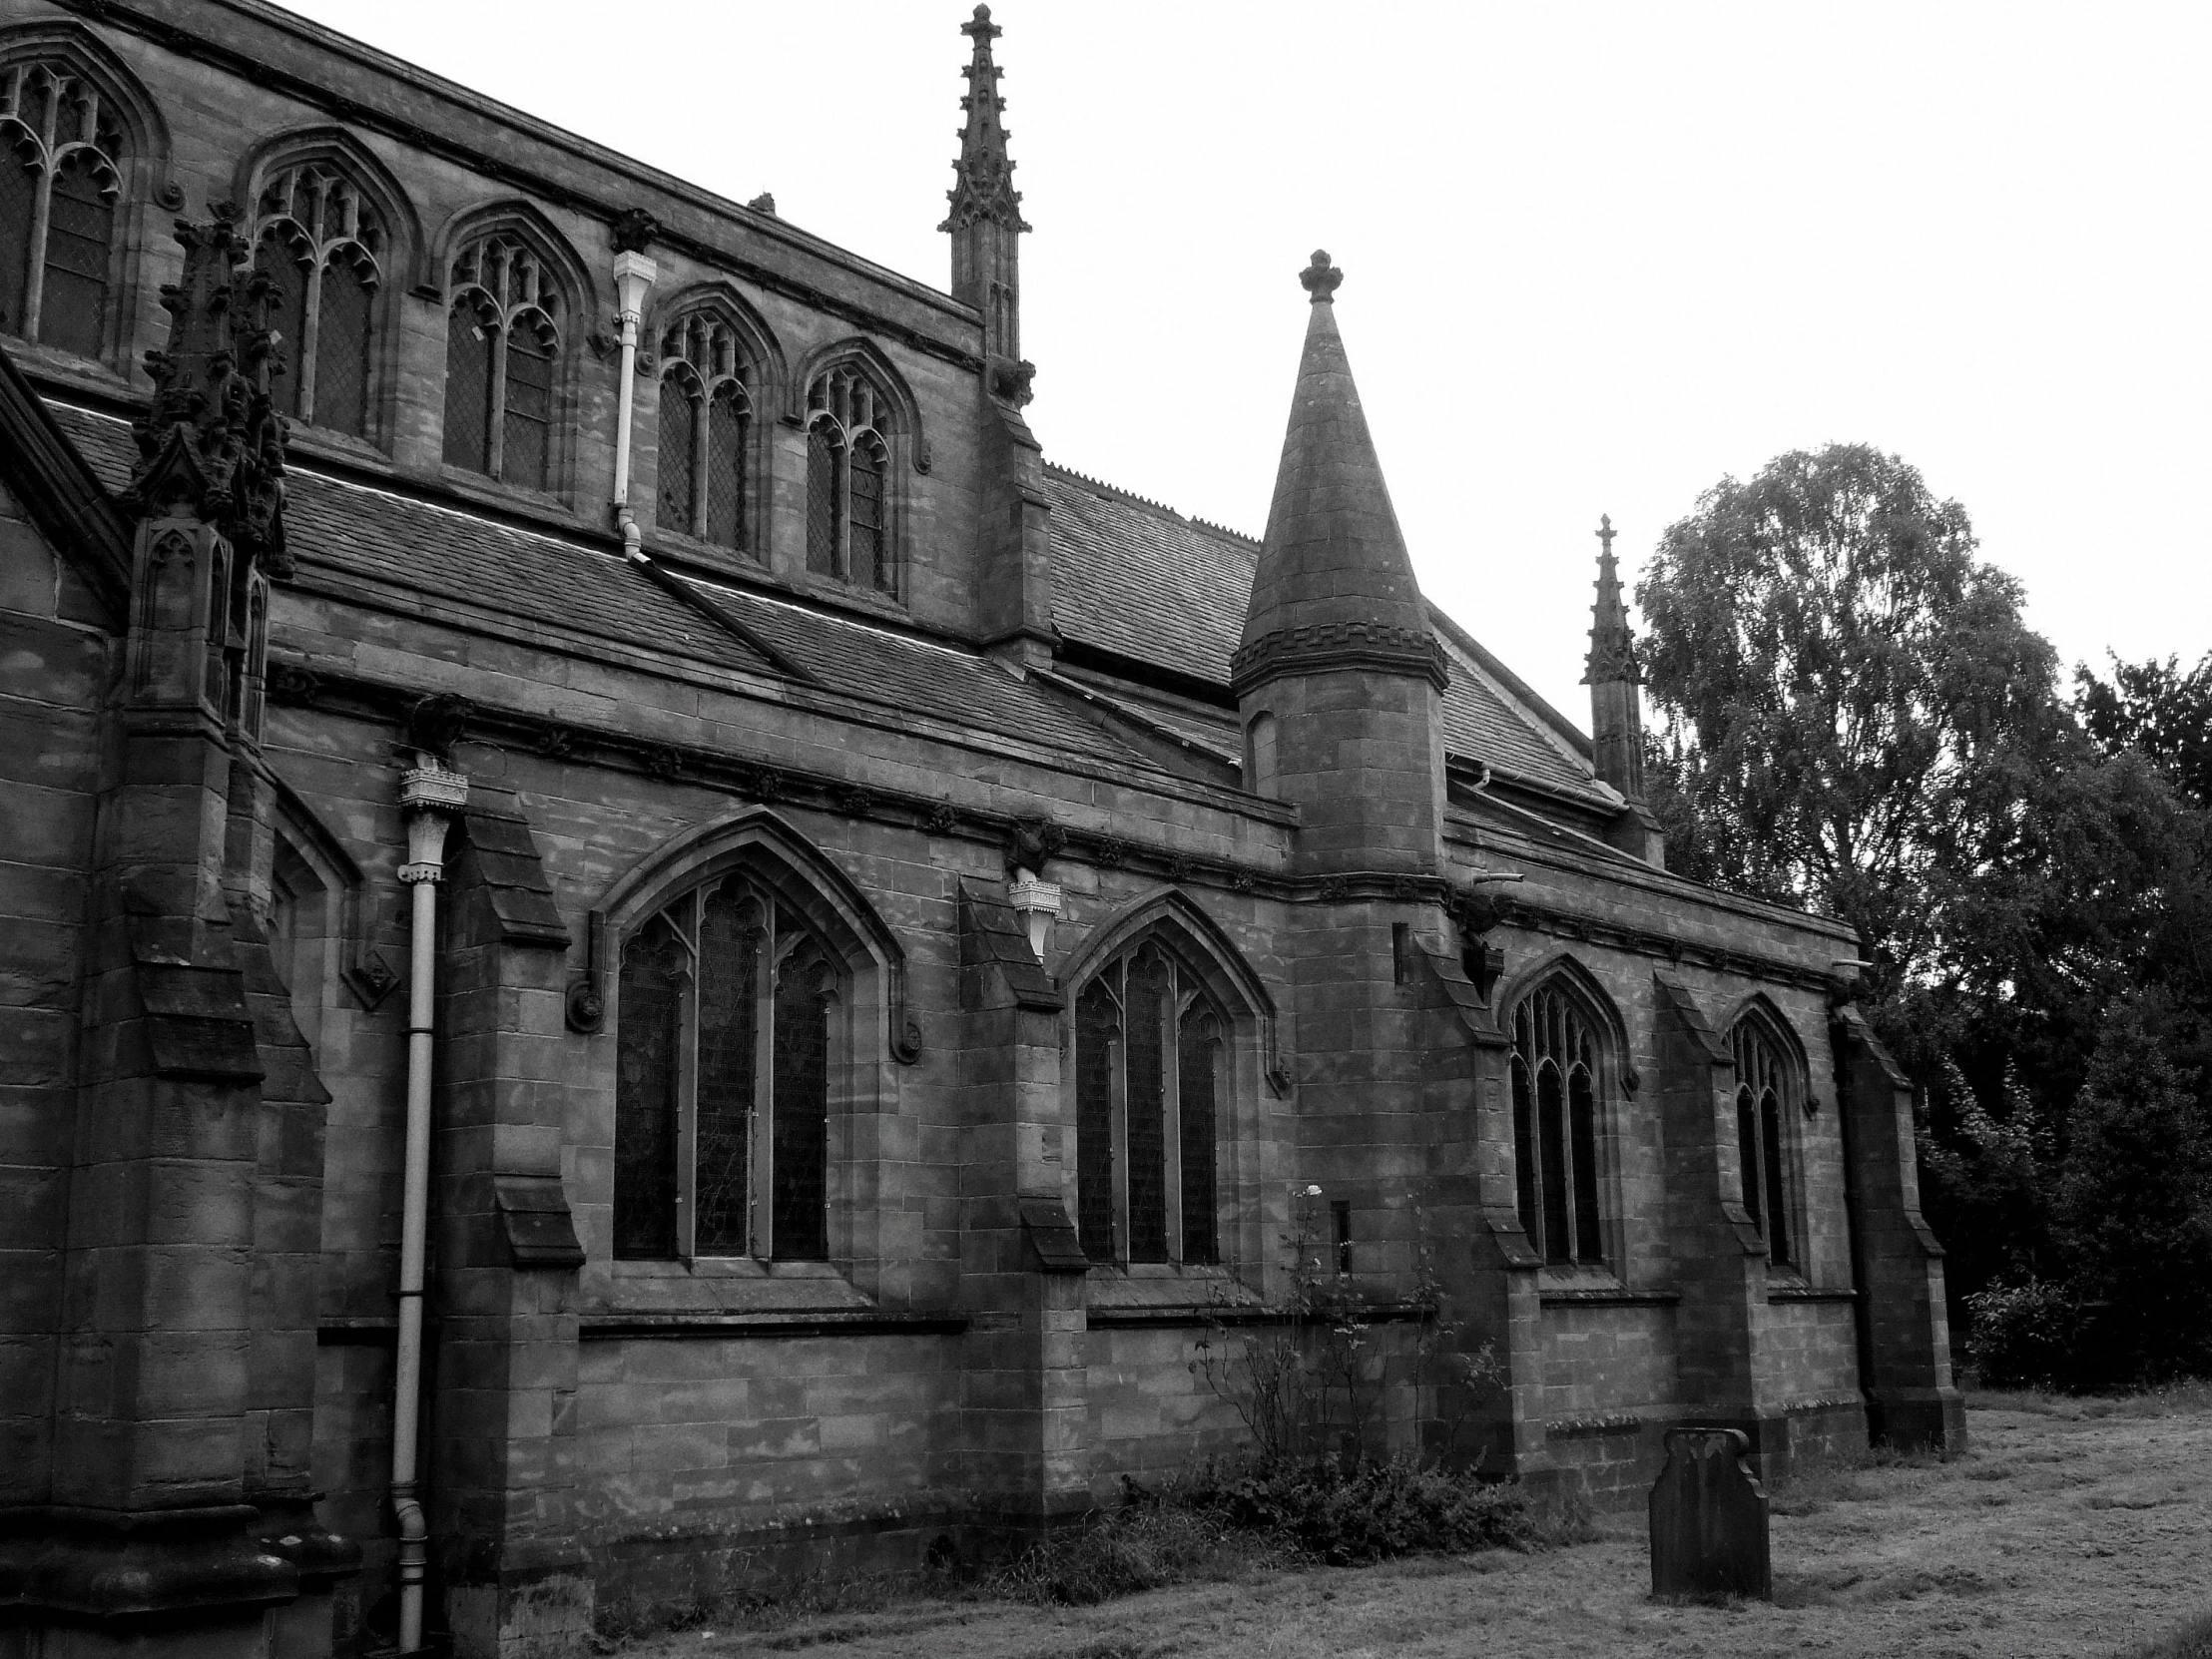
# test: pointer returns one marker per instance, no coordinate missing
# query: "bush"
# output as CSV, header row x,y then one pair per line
x,y
2026,1337
1370,1512
1144,1544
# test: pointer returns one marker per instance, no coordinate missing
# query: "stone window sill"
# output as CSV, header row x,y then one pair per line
x,y
1796,1290
1605,1296
785,1323
717,1286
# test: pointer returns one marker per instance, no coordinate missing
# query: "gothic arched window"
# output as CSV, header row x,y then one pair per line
x,y
850,422
60,155
706,431
1556,1126
325,248
502,361
1767,1084
725,1057
1150,1081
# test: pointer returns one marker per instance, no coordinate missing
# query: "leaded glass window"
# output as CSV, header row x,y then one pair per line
x,y
324,246
1556,1127
722,1097
60,152
1150,1052
1765,1085
849,423
503,332
706,430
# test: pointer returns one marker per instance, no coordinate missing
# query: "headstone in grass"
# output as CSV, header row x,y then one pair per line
x,y
1709,1519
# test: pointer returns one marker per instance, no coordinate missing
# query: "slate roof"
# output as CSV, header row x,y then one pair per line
x,y
1143,582
1129,577
428,548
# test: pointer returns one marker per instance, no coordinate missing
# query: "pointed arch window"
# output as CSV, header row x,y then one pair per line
x,y
725,1054
706,431
60,183
503,362
326,249
850,530
1767,1085
1150,1077
1556,1127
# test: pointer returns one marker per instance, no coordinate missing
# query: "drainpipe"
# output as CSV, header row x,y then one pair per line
x,y
633,277
429,793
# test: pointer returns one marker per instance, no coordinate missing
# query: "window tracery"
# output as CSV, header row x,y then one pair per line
x,y
707,403
1556,1127
326,249
60,183
1767,1083
850,426
502,355
1150,1076
724,1068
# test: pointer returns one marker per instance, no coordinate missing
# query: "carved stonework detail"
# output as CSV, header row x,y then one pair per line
x,y
634,231
1030,841
983,178
211,444
1312,646
1011,381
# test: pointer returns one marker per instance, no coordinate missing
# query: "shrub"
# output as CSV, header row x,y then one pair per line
x,y
2025,1335
1370,1512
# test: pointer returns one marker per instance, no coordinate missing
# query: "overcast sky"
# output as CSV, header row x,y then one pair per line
x,y
1597,255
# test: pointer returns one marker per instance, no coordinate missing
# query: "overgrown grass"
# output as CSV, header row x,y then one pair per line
x,y
1220,1522
2168,1400
1814,1483
2192,1641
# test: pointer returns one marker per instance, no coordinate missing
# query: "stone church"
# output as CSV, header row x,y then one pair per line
x,y
640,949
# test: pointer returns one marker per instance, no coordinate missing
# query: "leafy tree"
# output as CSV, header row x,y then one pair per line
x,y
1852,712
2133,1207
2162,714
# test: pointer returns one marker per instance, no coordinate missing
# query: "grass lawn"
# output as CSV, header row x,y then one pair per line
x,y
2073,1528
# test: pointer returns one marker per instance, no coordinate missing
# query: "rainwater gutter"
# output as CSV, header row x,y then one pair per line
x,y
429,794
634,277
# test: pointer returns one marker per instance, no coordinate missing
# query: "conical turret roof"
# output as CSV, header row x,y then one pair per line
x,y
1333,574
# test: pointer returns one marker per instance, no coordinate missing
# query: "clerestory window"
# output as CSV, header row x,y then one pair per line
x,y
1149,1054
849,423
60,155
706,431
725,1059
1767,1085
1556,1127
324,248
502,355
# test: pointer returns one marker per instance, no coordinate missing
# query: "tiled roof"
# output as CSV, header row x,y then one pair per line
x,y
1129,577
433,549
1140,580
439,550
1143,581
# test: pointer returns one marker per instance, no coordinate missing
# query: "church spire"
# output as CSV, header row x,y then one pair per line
x,y
1613,673
1334,581
986,219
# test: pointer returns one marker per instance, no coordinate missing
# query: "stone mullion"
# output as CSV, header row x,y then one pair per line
x,y
34,276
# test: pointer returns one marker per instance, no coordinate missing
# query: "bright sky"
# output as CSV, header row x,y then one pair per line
x,y
1597,255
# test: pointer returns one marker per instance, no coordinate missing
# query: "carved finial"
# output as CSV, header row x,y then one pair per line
x,y
1612,647
982,189
764,203
1320,279
212,444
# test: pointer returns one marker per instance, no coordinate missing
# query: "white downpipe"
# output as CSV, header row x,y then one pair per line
x,y
634,277
429,793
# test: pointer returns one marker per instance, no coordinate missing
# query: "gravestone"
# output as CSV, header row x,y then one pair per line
x,y
1709,1519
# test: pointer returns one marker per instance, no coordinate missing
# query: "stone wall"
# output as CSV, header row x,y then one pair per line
x,y
55,660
